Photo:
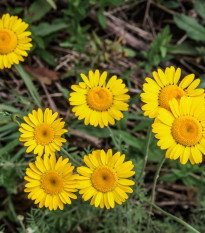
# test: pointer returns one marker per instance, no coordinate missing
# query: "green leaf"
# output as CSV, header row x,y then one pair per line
x,y
27,80
94,131
185,48
47,57
44,29
192,28
15,11
101,18
9,146
40,42
200,8
4,118
163,51
129,139
38,9
3,214
171,4
52,3
65,92
169,177
7,108
129,52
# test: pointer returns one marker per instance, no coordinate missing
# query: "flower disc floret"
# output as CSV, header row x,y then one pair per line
x,y
99,98
166,86
42,132
98,102
105,178
187,130
14,40
181,130
8,41
51,183
168,93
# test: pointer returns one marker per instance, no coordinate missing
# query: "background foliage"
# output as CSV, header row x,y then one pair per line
x,y
128,38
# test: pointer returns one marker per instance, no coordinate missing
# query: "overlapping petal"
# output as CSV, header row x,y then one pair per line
x,y
41,132
99,112
105,179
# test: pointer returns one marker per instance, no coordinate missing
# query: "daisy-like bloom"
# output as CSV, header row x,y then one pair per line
x,y
166,86
105,178
42,132
182,131
97,102
14,40
51,183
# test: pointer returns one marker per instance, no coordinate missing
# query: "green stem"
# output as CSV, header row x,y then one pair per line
x,y
149,133
113,138
29,84
14,116
71,157
173,217
153,189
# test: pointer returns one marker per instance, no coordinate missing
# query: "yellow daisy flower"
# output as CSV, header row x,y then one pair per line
x,y
97,102
42,132
51,183
182,131
14,40
104,178
166,86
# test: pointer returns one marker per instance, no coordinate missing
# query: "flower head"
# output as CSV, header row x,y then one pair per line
x,y
97,102
14,40
181,131
51,183
42,132
166,86
105,178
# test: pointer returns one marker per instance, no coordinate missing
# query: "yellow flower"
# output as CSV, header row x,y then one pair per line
x,y
166,86
51,183
42,132
97,102
181,131
14,40
105,178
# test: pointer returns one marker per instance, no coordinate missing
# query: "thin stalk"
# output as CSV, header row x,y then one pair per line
x,y
148,137
29,84
173,217
153,189
14,116
113,138
70,157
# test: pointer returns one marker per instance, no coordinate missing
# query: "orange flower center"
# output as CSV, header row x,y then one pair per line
x,y
8,41
99,98
187,131
168,93
104,179
52,182
44,134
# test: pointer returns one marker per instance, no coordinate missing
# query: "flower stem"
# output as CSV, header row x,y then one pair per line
x,y
148,137
113,138
173,217
71,157
153,189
